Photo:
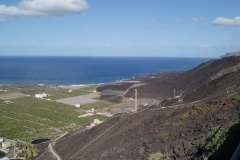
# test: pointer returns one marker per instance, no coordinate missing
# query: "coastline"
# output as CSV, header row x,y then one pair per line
x,y
84,71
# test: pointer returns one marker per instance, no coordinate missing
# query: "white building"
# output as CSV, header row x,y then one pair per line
x,y
7,102
41,95
96,122
77,105
4,158
7,144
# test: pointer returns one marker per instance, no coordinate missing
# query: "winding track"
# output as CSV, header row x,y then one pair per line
x,y
55,154
93,140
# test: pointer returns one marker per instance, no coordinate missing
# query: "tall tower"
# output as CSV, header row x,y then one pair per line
x,y
174,93
14,149
136,101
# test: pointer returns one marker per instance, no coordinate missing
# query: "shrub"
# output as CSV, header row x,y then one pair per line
x,y
164,135
184,116
215,139
155,156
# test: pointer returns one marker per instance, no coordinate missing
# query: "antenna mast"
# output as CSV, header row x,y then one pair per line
x,y
174,94
136,104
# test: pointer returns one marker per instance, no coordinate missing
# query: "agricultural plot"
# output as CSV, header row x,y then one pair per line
x,y
12,95
2,92
68,94
30,118
73,93
76,100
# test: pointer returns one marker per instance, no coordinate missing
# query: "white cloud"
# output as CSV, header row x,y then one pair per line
x,y
227,21
197,19
43,8
204,46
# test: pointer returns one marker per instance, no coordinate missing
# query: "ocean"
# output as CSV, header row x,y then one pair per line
x,y
86,70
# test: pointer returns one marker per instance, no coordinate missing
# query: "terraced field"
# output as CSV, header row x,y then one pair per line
x,y
30,118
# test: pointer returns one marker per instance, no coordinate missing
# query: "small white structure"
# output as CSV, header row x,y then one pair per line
x,y
105,114
41,95
7,102
86,115
90,111
5,158
77,105
96,122
1,140
5,145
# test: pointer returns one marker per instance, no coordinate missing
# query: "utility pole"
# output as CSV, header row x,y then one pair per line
x,y
173,93
136,105
14,152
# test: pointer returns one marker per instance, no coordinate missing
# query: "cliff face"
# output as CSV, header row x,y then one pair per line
x,y
203,125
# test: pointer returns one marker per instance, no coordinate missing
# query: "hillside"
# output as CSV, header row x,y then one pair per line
x,y
204,124
162,85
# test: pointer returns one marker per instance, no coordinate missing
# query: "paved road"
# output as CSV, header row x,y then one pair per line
x,y
54,153
93,140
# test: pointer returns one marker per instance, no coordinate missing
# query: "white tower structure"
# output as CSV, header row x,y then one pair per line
x,y
136,102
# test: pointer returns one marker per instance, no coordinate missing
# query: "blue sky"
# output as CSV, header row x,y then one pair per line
x,y
157,28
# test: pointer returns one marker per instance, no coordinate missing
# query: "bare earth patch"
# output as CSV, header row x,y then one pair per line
x,y
12,95
92,95
76,100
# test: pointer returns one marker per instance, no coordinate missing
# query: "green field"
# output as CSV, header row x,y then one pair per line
x,y
79,92
68,94
90,88
30,118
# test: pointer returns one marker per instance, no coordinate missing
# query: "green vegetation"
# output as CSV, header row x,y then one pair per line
x,y
30,118
184,116
97,105
97,98
155,156
222,143
28,152
215,139
72,93
90,88
2,92
68,94
164,135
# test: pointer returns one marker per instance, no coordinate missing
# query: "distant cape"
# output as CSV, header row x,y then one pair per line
x,y
231,54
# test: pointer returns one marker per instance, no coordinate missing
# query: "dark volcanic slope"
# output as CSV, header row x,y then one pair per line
x,y
181,132
177,131
162,85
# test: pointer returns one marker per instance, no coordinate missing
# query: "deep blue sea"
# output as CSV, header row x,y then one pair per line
x,y
86,70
